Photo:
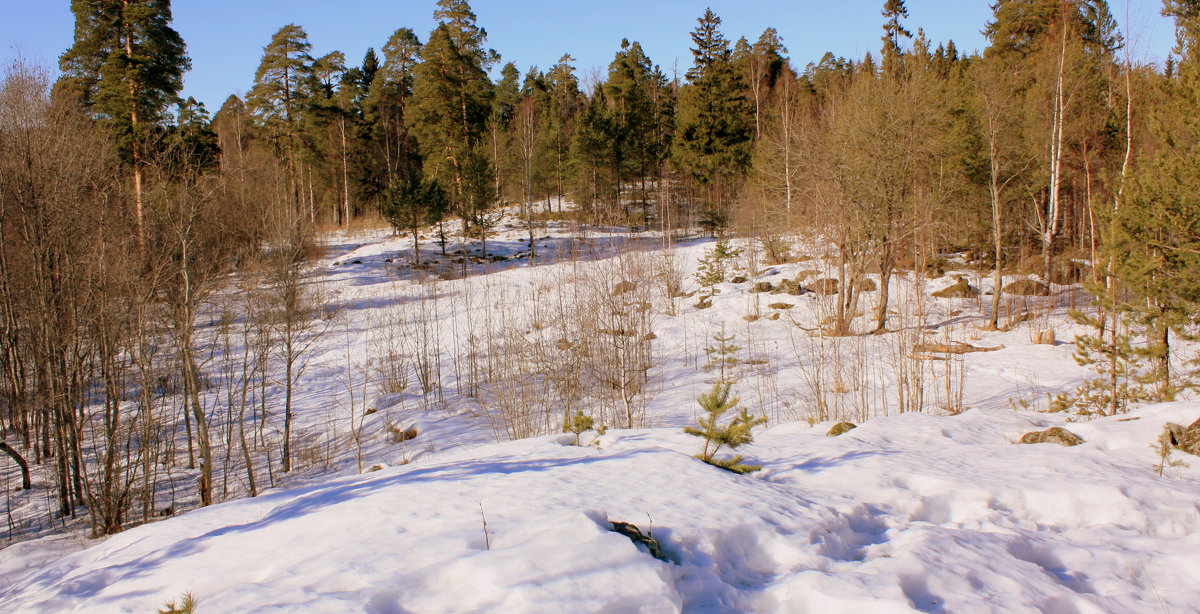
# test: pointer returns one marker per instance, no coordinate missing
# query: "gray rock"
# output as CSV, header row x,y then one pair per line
x,y
825,285
1185,439
789,287
960,289
1055,434
624,287
1027,287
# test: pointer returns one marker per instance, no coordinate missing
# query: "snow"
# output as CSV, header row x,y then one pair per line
x,y
909,512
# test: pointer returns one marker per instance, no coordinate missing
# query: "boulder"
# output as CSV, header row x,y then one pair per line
x,y
825,286
705,302
1055,434
1185,439
789,287
841,427
1027,287
806,273
960,289
624,287
781,305
866,285
739,279
762,286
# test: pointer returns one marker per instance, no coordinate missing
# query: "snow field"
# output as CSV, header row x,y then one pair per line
x,y
913,512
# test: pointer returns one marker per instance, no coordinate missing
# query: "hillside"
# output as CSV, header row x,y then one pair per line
x,y
937,510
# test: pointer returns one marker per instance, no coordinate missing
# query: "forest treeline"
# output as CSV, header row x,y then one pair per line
x,y
125,209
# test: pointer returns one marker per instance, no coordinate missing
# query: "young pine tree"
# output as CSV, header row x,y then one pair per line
x,y
737,432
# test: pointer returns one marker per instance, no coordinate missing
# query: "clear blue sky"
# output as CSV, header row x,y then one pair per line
x,y
225,38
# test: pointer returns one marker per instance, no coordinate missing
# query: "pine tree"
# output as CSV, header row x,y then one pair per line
x,y
126,65
893,32
280,93
737,432
451,104
723,355
466,34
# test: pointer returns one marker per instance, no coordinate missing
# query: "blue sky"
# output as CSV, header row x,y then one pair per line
x,y
225,38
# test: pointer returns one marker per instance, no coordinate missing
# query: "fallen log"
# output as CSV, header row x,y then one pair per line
x,y
953,347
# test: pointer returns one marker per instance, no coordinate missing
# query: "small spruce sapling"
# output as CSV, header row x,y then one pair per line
x,y
714,266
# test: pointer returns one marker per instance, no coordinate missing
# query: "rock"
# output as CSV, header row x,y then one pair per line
x,y
1185,439
839,428
774,316
789,287
635,535
649,337
705,302
867,285
401,435
750,318
824,286
1055,434
376,467
624,287
738,280
960,289
1043,337
762,286
806,273
781,305
1027,287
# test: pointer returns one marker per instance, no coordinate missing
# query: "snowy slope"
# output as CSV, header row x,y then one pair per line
x,y
906,513
909,512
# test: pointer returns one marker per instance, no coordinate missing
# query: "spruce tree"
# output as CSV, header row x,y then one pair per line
x,y
714,121
565,100
391,153
126,65
640,107
1160,222
413,202
593,150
